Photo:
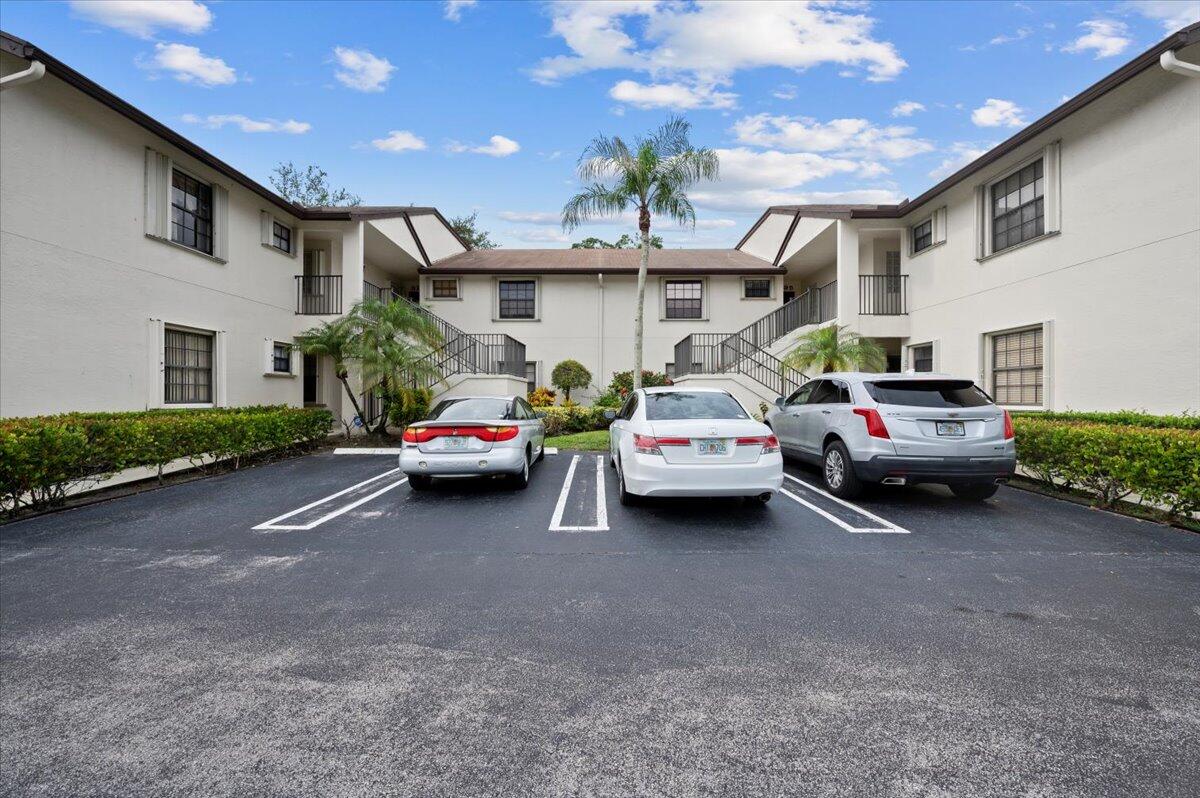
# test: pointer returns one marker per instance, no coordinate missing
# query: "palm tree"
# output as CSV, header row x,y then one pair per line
x,y
652,176
393,345
835,348
337,340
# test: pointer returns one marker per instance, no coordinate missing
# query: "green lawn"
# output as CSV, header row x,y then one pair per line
x,y
589,441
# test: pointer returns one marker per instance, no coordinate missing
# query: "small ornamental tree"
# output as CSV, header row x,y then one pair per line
x,y
570,374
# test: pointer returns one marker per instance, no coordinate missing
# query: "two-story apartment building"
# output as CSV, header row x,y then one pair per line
x,y
1061,269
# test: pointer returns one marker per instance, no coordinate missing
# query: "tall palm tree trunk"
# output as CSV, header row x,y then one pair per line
x,y
344,378
639,319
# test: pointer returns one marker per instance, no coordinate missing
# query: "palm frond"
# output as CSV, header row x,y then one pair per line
x,y
595,200
674,206
604,157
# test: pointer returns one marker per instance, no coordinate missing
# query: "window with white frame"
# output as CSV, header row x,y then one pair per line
x,y
684,299
756,287
1018,207
187,366
922,357
191,212
444,287
281,237
517,299
281,358
922,236
530,376
1017,367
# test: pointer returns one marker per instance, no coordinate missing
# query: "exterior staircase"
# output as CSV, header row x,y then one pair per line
x,y
747,351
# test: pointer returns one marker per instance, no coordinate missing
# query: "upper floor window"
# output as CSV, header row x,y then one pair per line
x,y
756,288
922,236
187,367
518,299
281,237
684,299
444,288
1018,207
191,212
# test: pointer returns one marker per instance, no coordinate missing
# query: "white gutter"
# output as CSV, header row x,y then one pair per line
x,y
35,72
1169,62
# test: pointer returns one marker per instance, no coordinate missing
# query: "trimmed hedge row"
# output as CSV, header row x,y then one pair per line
x,y
44,457
1161,464
574,418
1128,418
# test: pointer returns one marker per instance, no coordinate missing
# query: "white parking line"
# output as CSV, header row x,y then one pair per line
x,y
273,525
886,527
601,524
365,450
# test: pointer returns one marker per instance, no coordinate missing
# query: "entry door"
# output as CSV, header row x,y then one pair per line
x,y
311,394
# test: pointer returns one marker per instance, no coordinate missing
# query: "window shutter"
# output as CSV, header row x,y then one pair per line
x,y
266,225
297,241
293,361
981,226
220,368
220,221
1052,171
158,192
155,342
268,356
939,226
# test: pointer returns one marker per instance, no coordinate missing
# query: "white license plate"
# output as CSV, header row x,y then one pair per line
x,y
711,447
454,443
952,429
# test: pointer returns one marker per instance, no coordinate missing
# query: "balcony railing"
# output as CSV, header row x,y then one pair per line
x,y
721,353
372,291
883,294
817,304
318,294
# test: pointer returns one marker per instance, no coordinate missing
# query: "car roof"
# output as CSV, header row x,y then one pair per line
x,y
683,389
879,377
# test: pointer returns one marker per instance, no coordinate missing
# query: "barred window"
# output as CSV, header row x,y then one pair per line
x,y
191,213
518,299
188,367
756,288
922,235
530,376
1018,212
1017,367
445,289
685,299
922,358
281,237
281,358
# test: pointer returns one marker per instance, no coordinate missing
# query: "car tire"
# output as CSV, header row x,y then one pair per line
x,y
541,453
975,491
520,480
626,498
837,472
420,482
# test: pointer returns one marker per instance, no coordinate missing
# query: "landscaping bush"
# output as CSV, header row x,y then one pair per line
x,y
44,457
1159,463
542,397
1128,418
576,418
409,405
622,383
570,374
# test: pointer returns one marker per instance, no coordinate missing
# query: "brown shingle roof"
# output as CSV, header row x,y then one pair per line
x,y
596,261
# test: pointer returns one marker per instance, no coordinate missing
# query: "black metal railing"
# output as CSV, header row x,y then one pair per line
x,y
318,294
721,353
818,304
883,294
372,291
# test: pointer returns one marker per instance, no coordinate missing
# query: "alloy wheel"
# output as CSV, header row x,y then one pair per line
x,y
835,468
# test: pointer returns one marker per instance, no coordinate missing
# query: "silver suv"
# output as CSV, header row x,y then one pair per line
x,y
897,429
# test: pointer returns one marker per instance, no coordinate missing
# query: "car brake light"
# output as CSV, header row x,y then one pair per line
x,y
412,435
501,433
1009,433
486,434
769,443
875,426
645,444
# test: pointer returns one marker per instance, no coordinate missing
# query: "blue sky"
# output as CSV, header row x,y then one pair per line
x,y
486,106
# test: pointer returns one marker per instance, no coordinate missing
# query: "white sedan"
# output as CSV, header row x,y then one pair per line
x,y
691,442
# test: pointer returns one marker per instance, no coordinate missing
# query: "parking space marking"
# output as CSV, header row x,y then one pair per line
x,y
273,524
365,450
885,527
601,524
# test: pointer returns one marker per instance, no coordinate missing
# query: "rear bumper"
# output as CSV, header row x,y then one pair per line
x,y
414,462
650,475
944,470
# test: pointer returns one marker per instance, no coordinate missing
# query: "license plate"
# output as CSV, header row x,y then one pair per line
x,y
711,447
454,443
953,429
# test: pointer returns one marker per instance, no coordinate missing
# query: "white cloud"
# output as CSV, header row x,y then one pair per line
x,y
758,200
189,65
361,70
907,108
248,125
960,154
145,17
679,96
785,92
845,137
1106,37
399,141
1005,38
714,224
1173,14
531,217
497,147
453,9
998,113
540,236
710,41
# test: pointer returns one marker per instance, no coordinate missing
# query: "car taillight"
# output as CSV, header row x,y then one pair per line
x,y
769,443
1009,433
413,435
486,434
648,444
875,427
501,433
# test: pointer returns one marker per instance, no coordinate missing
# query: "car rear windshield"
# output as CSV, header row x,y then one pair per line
x,y
471,410
927,393
676,406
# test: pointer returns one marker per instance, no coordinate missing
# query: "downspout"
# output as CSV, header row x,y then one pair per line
x,y
600,334
1169,62
35,72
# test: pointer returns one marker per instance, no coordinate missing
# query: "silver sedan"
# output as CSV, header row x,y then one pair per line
x,y
469,436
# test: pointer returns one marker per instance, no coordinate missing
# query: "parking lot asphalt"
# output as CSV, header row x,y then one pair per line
x,y
246,635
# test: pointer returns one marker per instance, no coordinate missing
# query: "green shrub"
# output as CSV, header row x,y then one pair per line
x,y
1129,418
542,397
570,374
43,457
409,405
569,420
1161,464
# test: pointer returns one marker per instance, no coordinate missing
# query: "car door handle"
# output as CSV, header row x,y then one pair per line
x,y
826,412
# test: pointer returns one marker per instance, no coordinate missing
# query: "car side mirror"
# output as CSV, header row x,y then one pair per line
x,y
780,402
610,415
539,413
